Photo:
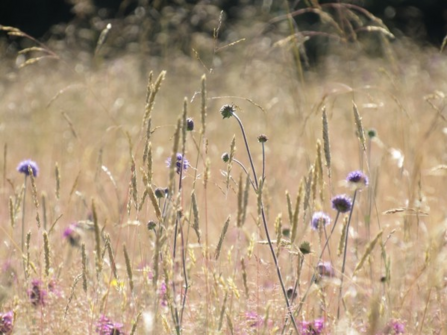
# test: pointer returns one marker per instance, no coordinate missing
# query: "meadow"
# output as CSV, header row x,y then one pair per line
x,y
110,237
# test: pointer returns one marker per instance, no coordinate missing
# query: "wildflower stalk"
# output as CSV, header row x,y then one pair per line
x,y
228,111
344,255
23,213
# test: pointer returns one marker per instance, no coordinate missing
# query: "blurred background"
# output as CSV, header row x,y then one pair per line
x,y
159,27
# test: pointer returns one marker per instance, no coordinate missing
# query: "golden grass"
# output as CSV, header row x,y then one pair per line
x,y
85,120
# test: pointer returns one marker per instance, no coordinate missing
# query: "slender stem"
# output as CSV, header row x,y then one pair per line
x,y
23,215
316,267
248,149
246,172
263,161
264,220
275,260
344,255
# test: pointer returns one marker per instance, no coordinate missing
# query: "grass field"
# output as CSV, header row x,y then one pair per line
x,y
108,239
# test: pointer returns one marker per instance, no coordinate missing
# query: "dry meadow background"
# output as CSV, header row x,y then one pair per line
x,y
82,116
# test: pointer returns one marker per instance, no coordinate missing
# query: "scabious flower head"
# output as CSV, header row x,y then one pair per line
x,y
36,293
178,163
325,269
341,203
253,319
318,219
72,235
6,322
23,167
227,111
394,327
312,327
357,179
106,327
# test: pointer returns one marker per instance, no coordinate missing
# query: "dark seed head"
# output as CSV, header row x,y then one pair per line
x,y
305,248
227,111
262,138
189,124
226,157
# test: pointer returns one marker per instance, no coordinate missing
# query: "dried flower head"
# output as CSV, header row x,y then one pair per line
x,y
71,233
357,179
36,293
319,219
225,157
6,323
180,160
151,225
160,192
312,327
262,138
372,133
189,124
106,327
342,203
291,293
24,166
305,248
227,111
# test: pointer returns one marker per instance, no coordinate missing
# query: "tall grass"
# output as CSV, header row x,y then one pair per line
x,y
141,269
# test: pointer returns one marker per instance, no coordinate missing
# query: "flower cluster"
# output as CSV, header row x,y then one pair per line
x,y
6,322
178,164
24,166
72,235
342,203
357,179
312,327
106,327
36,293
318,219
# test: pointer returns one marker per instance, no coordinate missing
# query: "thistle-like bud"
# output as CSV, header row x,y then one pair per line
x,y
160,192
227,111
226,157
262,138
372,133
151,225
305,248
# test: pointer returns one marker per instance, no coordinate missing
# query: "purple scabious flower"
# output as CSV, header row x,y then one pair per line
x,y
357,179
325,269
106,327
178,163
342,203
253,319
36,293
395,327
312,327
6,323
319,218
72,235
23,167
